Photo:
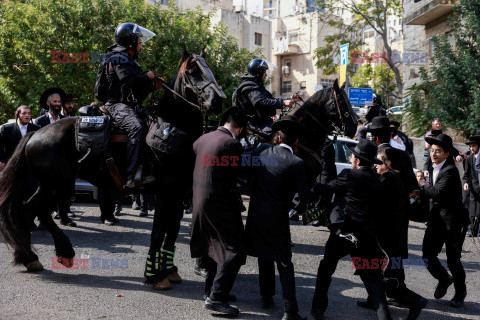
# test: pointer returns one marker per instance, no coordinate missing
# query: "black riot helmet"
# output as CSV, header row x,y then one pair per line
x,y
127,35
377,99
257,67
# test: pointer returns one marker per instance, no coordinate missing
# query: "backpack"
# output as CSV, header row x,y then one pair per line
x,y
92,133
101,83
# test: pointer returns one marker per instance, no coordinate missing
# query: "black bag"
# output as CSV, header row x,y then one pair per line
x,y
92,133
101,83
167,141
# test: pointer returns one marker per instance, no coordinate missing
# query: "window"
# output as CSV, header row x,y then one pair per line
x,y
293,36
326,82
287,62
165,2
286,86
258,39
303,85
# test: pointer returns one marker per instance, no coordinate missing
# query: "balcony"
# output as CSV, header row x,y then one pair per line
x,y
430,12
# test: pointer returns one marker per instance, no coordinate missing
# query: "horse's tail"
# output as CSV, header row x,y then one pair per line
x,y
13,223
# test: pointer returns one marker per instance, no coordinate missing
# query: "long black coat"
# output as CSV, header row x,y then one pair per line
x,y
403,164
44,120
217,226
470,177
446,207
393,220
10,136
275,184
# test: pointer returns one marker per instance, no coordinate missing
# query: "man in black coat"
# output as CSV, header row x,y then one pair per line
x,y
404,139
258,103
217,233
353,229
447,220
12,133
471,184
51,100
276,180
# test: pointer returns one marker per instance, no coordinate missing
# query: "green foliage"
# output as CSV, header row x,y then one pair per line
x,y
32,29
450,90
379,78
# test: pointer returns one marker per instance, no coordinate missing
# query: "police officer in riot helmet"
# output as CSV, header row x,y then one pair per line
x,y
377,109
128,85
258,103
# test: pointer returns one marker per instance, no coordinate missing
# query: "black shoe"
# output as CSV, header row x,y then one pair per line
x,y
55,215
292,316
202,272
458,300
394,302
71,214
414,312
118,209
267,302
68,222
230,298
110,221
442,288
221,307
366,304
317,314
143,213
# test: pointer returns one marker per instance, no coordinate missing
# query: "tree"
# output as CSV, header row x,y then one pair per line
x,y
450,89
47,43
379,78
365,13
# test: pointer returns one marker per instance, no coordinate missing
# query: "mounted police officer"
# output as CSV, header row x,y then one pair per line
x,y
258,103
126,86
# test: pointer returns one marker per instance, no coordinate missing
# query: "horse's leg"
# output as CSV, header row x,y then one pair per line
x,y
29,259
63,246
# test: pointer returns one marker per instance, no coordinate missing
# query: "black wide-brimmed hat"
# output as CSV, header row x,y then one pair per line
x,y
396,124
69,97
366,150
380,124
289,125
47,93
237,113
435,133
441,140
474,139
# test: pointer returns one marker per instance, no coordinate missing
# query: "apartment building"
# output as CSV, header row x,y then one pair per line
x,y
423,19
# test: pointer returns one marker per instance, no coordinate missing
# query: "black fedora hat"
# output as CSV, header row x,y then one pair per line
x,y
396,124
47,93
441,140
366,150
238,115
69,97
474,139
435,133
289,125
380,124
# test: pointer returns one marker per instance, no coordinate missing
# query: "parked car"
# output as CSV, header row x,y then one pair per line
x,y
360,111
342,152
397,110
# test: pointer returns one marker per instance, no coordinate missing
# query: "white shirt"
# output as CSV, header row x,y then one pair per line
x,y
51,118
397,144
23,129
436,170
286,146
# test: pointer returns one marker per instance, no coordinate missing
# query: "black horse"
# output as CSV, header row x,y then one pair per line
x,y
50,156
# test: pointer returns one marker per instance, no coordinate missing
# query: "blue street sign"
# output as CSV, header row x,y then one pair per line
x,y
344,54
359,96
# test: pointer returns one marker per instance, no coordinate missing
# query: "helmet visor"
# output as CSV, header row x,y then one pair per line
x,y
143,33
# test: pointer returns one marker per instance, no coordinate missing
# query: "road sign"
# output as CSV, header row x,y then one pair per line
x,y
360,96
344,54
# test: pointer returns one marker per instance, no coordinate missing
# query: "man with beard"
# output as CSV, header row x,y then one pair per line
x,y
51,100
258,103
69,105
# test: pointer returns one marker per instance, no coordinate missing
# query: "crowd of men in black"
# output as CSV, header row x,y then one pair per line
x,y
360,225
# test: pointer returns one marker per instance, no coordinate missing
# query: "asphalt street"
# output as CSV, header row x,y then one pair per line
x,y
108,283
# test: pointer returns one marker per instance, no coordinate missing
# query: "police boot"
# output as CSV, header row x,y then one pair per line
x,y
311,215
168,266
154,273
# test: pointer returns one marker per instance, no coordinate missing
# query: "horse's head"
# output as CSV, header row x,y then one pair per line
x,y
330,110
196,82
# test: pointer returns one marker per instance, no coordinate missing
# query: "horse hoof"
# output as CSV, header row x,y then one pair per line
x,y
162,285
174,277
67,262
34,266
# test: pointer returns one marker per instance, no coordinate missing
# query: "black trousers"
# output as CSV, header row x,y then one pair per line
x,y
221,277
436,235
395,287
266,277
335,249
129,121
